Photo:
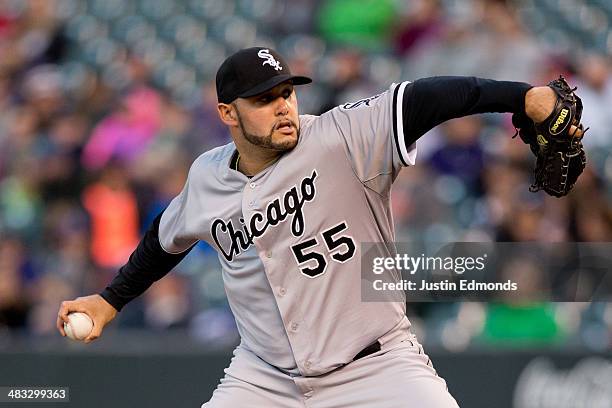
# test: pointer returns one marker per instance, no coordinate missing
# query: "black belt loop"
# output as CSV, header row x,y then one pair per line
x,y
371,349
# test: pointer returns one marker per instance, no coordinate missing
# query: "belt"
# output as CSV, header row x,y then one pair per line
x,y
371,349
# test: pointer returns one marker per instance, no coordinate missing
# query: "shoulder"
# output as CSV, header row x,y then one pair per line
x,y
356,108
213,159
308,126
307,120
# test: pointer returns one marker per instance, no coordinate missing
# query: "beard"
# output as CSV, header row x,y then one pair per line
x,y
266,141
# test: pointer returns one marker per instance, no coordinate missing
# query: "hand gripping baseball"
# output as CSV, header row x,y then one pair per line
x,y
98,309
554,136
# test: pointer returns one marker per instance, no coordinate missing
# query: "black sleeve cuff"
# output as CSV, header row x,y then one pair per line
x,y
147,264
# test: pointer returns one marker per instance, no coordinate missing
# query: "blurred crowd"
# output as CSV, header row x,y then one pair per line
x,y
94,144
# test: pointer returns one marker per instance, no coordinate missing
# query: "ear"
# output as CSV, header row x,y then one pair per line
x,y
227,114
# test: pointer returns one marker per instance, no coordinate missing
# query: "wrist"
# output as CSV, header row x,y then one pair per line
x,y
539,103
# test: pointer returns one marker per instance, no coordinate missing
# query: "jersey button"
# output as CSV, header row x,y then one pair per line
x,y
269,254
251,204
282,291
253,185
294,326
307,364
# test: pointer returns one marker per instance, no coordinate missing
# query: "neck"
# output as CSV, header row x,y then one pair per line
x,y
250,166
254,159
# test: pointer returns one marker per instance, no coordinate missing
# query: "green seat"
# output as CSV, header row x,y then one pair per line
x,y
211,9
205,58
172,74
132,28
183,29
74,75
157,10
100,51
116,75
154,51
110,9
234,31
84,28
262,11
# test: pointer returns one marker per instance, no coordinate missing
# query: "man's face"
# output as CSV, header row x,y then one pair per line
x,y
270,119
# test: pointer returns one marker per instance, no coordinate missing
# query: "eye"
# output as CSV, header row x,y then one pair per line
x,y
287,93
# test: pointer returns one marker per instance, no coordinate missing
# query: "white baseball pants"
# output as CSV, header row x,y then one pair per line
x,y
400,375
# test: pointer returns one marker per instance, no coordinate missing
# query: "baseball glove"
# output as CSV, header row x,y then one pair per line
x,y
560,157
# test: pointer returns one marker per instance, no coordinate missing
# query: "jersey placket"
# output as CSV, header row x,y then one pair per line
x,y
275,268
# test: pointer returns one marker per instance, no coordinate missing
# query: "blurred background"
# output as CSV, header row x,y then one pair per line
x,y
104,104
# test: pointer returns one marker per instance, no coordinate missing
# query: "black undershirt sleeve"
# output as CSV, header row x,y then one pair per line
x,y
147,264
428,102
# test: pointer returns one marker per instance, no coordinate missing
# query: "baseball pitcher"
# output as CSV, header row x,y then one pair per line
x,y
287,204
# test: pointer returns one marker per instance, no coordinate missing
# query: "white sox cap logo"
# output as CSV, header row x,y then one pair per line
x,y
269,59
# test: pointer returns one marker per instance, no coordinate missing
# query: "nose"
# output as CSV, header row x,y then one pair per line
x,y
282,106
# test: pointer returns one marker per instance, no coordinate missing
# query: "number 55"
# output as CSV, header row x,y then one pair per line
x,y
333,245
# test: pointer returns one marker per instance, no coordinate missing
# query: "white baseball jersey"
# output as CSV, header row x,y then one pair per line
x,y
289,237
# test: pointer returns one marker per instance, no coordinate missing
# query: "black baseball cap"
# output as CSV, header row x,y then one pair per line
x,y
252,71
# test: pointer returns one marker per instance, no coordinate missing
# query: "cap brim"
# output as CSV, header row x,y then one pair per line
x,y
272,82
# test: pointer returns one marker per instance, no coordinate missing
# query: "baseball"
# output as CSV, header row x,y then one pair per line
x,y
79,326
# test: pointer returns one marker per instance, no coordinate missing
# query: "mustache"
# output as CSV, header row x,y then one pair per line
x,y
284,122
